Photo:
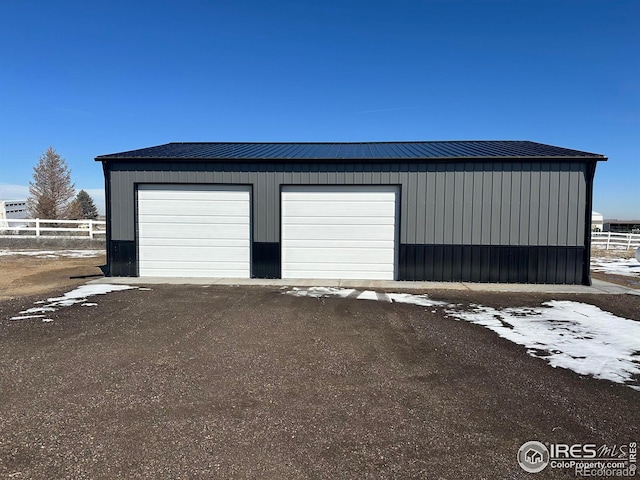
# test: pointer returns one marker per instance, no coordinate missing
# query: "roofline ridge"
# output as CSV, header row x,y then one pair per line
x,y
339,142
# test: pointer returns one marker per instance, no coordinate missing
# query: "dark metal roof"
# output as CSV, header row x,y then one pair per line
x,y
483,149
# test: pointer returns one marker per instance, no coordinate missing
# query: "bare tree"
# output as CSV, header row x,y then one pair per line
x,y
51,191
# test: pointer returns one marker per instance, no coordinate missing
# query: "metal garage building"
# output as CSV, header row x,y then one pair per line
x,y
483,211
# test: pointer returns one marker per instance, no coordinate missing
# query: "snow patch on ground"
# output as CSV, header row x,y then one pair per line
x,y
54,253
79,295
629,267
572,335
319,292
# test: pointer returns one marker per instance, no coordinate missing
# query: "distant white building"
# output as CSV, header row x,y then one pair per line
x,y
12,209
597,221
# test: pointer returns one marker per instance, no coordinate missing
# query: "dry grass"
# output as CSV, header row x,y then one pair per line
x,y
613,252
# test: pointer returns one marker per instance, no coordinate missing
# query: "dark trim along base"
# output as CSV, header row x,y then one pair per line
x,y
265,260
122,259
491,263
440,263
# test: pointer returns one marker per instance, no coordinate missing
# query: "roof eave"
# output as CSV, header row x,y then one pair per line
x,y
104,158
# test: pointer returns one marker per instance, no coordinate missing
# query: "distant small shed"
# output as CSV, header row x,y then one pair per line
x,y
622,226
478,211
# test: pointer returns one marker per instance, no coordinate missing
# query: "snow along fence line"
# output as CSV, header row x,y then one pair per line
x,y
614,240
42,227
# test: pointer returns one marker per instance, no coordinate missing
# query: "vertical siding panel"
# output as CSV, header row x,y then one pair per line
x,y
574,210
314,175
534,205
259,201
262,214
478,180
565,209
116,205
431,204
487,208
467,207
449,203
408,233
515,217
332,175
116,213
385,175
127,196
340,174
272,208
226,174
582,202
496,204
273,183
438,227
543,230
409,205
525,204
283,178
421,179
553,203
458,202
296,178
505,203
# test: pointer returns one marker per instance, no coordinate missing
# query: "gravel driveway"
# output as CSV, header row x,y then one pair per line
x,y
244,382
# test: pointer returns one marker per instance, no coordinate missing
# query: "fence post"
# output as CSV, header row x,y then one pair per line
x,y
37,227
608,240
90,228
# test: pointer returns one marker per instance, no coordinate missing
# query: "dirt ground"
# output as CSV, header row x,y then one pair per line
x,y
245,382
22,275
627,281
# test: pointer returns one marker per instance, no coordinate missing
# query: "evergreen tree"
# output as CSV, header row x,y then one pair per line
x,y
88,209
51,191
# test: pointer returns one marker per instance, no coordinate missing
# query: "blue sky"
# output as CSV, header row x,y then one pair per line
x,y
91,78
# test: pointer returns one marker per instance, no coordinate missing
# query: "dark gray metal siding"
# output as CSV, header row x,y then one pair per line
x,y
451,203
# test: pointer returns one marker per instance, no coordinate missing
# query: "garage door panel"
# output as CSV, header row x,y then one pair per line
x,y
177,230
342,209
342,243
340,272
194,230
354,193
338,266
339,232
338,255
333,220
192,253
194,242
195,269
196,208
348,232
192,191
195,219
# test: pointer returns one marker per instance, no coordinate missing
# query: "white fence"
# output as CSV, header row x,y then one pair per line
x,y
38,226
610,240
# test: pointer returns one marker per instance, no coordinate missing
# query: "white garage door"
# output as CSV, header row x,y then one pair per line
x,y
339,232
194,230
